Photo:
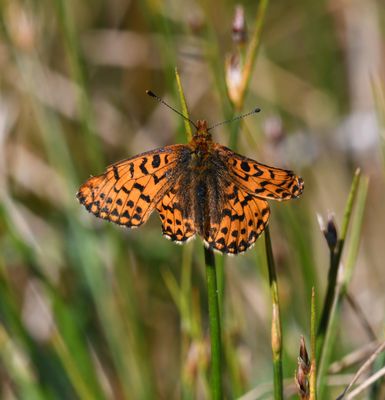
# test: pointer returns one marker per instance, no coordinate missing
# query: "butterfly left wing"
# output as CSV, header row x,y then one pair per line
x,y
261,180
129,190
243,219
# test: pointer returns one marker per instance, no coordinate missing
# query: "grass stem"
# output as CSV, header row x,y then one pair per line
x,y
250,58
276,332
358,197
215,326
183,103
313,334
335,258
252,51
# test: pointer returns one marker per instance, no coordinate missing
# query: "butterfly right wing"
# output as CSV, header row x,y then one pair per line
x,y
129,190
261,180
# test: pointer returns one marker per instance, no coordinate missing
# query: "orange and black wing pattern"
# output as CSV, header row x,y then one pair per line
x,y
129,190
261,180
177,225
243,219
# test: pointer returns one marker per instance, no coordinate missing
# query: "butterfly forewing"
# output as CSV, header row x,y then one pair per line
x,y
129,190
243,219
259,179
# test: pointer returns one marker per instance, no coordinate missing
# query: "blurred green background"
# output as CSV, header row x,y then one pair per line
x,y
89,310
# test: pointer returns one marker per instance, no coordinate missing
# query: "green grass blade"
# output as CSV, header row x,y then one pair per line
x,y
184,105
379,100
64,17
359,199
313,336
356,231
276,330
85,389
252,52
215,326
335,259
19,369
248,67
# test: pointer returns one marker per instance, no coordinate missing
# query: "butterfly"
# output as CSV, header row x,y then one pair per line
x,y
199,188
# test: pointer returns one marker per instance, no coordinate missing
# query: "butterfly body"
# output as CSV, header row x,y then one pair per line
x,y
198,188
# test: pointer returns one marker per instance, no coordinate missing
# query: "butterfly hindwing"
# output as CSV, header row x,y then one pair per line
x,y
129,190
176,225
259,179
243,219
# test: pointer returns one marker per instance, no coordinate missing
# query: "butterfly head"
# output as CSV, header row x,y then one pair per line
x,y
202,132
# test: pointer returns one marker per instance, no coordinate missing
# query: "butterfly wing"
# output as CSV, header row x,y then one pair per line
x,y
174,214
129,190
259,179
243,219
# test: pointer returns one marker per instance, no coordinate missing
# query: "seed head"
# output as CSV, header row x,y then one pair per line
x,y
239,26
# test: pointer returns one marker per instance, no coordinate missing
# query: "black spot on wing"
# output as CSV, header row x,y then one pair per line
x,y
132,170
245,166
142,166
155,161
116,172
146,198
138,186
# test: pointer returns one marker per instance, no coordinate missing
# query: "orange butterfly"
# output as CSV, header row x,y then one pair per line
x,y
199,187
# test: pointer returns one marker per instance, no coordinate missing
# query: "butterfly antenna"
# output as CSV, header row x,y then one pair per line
x,y
152,94
255,111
